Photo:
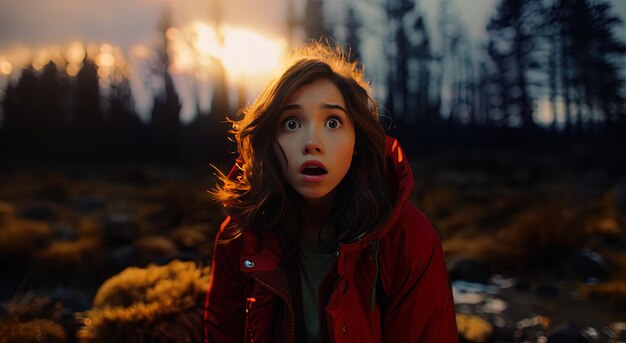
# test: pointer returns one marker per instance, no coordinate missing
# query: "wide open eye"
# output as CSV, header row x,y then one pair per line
x,y
291,124
333,123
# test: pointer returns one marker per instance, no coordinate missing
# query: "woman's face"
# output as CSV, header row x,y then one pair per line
x,y
317,137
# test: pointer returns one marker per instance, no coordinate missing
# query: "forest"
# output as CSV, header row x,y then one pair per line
x,y
517,146
542,77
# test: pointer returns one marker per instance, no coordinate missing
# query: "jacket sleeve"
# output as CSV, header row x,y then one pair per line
x,y
421,308
224,316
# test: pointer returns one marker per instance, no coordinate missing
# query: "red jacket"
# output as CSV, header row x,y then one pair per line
x,y
250,299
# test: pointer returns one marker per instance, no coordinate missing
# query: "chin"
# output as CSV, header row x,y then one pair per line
x,y
314,194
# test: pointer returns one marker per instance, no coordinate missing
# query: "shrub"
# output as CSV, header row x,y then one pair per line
x,y
153,304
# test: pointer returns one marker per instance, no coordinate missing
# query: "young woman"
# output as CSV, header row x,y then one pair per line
x,y
321,243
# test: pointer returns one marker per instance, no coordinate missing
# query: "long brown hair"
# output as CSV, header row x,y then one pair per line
x,y
256,193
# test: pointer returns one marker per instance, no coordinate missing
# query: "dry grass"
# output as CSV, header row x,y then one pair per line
x,y
531,237
22,239
613,291
7,211
32,331
155,304
85,255
155,246
30,318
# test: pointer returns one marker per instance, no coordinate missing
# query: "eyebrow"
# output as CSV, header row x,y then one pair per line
x,y
324,106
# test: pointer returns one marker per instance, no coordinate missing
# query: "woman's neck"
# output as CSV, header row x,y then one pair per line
x,y
316,214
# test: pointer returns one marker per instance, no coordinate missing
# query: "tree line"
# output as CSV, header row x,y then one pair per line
x,y
51,115
550,67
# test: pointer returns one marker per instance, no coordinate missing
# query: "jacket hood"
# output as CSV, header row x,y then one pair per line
x,y
400,181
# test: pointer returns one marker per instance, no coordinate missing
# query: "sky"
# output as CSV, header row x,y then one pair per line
x,y
27,26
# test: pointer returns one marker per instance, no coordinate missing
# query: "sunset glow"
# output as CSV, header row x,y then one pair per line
x,y
243,52
205,39
75,53
246,52
5,67
105,60
41,59
72,69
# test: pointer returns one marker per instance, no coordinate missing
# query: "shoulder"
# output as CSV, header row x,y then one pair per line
x,y
227,242
412,236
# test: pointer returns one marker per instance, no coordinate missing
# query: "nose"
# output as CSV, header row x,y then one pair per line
x,y
312,148
312,144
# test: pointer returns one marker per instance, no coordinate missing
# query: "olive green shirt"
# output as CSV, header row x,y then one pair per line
x,y
315,263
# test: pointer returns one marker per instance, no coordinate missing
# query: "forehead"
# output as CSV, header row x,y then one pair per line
x,y
319,90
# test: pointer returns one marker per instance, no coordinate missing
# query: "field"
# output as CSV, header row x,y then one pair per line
x,y
535,244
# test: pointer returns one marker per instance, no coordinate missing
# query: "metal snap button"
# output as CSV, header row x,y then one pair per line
x,y
248,264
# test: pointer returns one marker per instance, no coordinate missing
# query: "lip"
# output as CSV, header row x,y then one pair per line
x,y
312,178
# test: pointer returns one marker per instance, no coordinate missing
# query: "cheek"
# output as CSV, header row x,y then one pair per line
x,y
346,155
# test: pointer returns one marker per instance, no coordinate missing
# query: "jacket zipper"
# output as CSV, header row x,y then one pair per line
x,y
321,308
292,320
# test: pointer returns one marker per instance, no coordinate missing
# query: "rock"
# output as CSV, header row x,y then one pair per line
x,y
617,331
38,212
620,196
607,227
123,257
89,204
56,190
494,305
119,229
473,328
503,282
535,321
503,333
64,232
470,270
188,237
190,256
471,287
166,217
567,333
155,249
589,266
547,290
6,211
468,298
590,334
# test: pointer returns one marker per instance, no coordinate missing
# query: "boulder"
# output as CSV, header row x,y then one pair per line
x,y
470,270
38,212
88,204
567,333
119,229
620,196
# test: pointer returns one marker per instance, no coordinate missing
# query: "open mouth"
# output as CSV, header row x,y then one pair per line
x,y
314,171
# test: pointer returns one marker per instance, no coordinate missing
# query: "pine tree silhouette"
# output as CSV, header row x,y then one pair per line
x,y
511,48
